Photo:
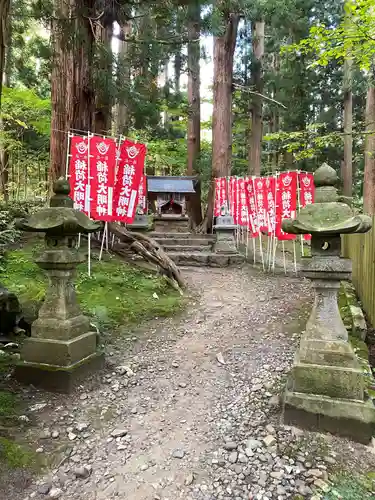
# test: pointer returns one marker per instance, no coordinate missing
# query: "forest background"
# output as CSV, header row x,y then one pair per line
x,y
214,88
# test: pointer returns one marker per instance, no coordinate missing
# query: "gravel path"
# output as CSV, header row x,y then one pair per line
x,y
188,407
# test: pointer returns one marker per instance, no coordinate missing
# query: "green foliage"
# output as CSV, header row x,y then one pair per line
x,y
116,294
352,38
15,456
351,487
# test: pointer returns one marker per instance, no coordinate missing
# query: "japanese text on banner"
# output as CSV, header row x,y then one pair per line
x,y
286,202
233,186
260,203
79,173
102,174
243,212
221,196
307,191
270,203
142,195
251,207
131,167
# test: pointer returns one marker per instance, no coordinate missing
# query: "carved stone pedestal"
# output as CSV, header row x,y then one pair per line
x,y
326,390
62,345
225,235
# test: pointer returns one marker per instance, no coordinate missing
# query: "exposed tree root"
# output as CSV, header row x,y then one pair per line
x,y
152,252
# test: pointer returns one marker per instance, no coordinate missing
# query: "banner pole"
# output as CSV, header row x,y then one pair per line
x,y
89,135
276,240
103,238
299,205
284,260
295,256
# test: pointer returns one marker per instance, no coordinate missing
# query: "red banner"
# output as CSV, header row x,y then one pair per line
x,y
242,206
79,174
233,198
260,201
142,195
270,203
306,193
251,207
102,174
221,198
286,202
131,167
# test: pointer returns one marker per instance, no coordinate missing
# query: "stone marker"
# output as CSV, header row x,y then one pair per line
x,y
225,235
61,345
326,388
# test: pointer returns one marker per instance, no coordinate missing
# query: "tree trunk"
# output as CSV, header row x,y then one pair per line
x,y
369,173
61,91
103,105
347,164
5,34
4,19
224,47
255,155
123,78
72,95
194,115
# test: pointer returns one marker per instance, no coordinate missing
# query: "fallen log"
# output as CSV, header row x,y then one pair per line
x,y
151,251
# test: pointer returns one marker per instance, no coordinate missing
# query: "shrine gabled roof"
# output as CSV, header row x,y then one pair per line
x,y
156,184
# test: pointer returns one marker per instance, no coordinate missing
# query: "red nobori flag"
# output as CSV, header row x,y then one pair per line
x,y
102,174
270,204
251,207
221,198
131,167
79,173
260,201
243,212
307,192
233,187
142,199
286,202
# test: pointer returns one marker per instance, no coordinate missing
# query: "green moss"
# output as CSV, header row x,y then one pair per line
x,y
15,456
350,487
8,405
116,293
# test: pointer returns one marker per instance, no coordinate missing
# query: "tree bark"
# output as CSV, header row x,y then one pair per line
x,y
123,78
4,19
255,155
194,115
61,90
347,164
224,47
5,51
103,105
369,173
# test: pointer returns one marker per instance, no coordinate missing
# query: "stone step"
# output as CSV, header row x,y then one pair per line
x,y
188,236
167,242
203,259
186,248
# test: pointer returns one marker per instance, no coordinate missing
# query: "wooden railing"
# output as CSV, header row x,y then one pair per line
x,y
360,248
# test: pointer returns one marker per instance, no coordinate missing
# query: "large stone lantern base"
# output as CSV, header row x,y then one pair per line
x,y
326,387
62,346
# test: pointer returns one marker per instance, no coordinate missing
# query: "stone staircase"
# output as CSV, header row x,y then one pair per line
x,y
189,249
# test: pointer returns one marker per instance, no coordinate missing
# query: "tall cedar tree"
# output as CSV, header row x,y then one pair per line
x,y
194,116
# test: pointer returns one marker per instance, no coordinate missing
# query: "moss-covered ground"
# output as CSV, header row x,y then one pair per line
x,y
116,294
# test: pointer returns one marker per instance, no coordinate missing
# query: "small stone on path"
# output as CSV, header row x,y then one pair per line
x,y
178,453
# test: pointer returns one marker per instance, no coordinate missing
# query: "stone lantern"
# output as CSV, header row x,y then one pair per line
x,y
326,389
62,344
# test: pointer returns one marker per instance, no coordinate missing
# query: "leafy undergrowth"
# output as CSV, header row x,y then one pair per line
x,y
116,294
352,487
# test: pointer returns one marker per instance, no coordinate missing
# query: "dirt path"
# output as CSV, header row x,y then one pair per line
x,y
183,424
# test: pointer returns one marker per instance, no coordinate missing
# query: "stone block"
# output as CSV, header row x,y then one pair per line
x,y
59,353
353,419
59,379
60,329
217,260
326,352
333,381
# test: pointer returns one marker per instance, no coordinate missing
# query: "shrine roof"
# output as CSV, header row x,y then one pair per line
x,y
169,184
